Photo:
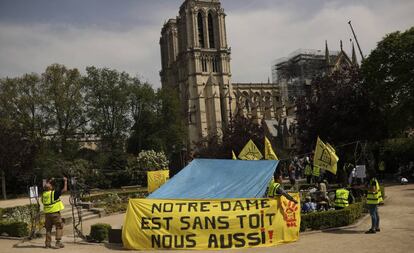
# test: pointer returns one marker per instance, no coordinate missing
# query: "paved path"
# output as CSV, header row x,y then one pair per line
x,y
25,201
397,234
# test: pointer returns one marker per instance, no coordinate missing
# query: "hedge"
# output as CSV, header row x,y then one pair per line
x,y
332,218
100,232
14,228
122,195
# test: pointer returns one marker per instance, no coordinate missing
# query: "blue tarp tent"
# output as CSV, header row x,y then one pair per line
x,y
218,179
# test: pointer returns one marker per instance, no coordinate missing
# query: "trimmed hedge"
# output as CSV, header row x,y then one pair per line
x,y
14,228
100,232
332,218
123,195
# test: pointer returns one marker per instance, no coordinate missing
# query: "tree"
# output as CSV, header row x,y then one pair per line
x,y
21,126
389,80
64,102
235,137
147,160
107,105
16,153
339,111
144,109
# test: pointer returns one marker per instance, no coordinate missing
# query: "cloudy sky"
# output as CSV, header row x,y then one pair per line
x,y
124,34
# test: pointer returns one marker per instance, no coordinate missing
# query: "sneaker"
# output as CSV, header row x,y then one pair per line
x,y
48,246
377,230
59,245
371,231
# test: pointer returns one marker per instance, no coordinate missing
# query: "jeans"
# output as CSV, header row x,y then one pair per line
x,y
375,219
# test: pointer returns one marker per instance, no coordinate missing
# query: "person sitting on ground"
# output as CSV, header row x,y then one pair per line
x,y
323,195
309,205
275,189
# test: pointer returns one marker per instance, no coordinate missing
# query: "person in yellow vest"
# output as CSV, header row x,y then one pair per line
x,y
275,189
316,173
308,170
343,198
52,206
374,198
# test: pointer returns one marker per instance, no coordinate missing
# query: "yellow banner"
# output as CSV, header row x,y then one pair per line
x,y
210,224
325,157
157,178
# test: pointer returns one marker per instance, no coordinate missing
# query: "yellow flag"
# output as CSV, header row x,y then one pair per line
x,y
156,179
325,157
269,153
234,157
250,152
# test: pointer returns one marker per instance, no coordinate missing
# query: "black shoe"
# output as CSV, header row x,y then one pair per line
x,y
371,231
377,230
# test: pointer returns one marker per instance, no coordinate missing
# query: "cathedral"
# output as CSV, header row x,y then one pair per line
x,y
195,60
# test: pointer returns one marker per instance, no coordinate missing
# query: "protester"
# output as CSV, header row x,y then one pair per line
x,y
275,189
343,198
374,198
52,205
308,170
308,206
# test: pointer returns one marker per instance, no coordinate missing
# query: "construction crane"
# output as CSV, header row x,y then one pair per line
x,y
359,48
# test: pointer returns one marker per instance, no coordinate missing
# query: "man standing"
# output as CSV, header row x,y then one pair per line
x,y
343,198
308,170
276,189
374,198
52,206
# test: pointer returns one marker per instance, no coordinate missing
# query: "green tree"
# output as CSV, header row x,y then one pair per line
x,y
64,103
389,79
21,126
144,107
147,160
339,111
107,105
235,137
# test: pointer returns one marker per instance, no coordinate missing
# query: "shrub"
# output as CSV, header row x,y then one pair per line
x,y
99,232
332,218
14,228
19,213
124,196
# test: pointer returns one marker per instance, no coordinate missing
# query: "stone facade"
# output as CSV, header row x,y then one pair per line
x,y
195,59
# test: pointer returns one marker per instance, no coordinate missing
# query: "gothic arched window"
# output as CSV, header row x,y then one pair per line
x,y
200,25
211,31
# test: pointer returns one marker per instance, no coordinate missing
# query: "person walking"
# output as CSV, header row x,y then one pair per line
x,y
52,206
374,198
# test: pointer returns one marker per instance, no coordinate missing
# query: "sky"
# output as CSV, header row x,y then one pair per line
x,y
124,34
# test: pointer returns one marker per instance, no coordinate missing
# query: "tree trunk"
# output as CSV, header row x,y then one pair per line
x,y
3,184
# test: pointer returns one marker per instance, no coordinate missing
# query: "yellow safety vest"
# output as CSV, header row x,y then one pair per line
x,y
316,171
49,204
341,197
308,170
272,190
374,198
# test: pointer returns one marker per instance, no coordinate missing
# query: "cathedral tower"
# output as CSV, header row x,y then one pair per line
x,y
196,60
